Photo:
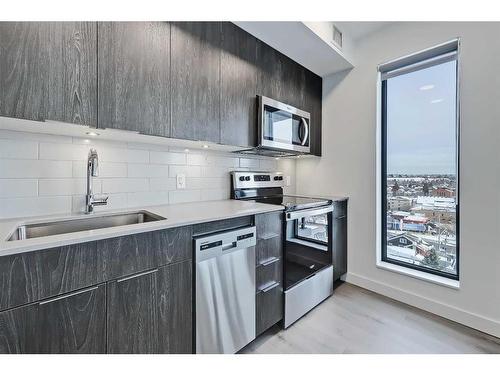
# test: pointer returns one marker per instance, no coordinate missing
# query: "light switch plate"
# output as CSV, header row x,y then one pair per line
x,y
181,181
288,180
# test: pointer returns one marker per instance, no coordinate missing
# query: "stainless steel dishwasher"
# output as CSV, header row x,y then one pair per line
x,y
225,291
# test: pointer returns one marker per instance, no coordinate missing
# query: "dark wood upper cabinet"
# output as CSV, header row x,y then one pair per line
x,y
195,59
239,74
151,312
313,104
134,76
48,71
271,72
74,324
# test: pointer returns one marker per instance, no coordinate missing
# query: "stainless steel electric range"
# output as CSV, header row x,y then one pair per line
x,y
308,270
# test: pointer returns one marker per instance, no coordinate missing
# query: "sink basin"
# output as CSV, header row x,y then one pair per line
x,y
81,224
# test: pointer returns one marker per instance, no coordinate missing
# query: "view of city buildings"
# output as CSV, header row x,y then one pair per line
x,y
421,221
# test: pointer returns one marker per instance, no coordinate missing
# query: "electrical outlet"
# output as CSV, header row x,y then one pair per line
x,y
181,181
288,180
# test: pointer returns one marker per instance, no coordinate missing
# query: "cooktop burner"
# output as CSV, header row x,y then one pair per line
x,y
293,202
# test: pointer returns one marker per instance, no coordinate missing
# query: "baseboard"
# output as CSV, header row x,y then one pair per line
x,y
458,315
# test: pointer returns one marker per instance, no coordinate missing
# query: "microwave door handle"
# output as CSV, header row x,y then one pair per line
x,y
306,130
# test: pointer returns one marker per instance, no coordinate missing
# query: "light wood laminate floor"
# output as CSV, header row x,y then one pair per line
x,y
355,320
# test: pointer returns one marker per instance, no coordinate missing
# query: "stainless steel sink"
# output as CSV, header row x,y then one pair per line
x,y
81,224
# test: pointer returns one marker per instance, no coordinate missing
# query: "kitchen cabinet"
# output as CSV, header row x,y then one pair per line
x,y
195,80
151,312
73,323
269,270
134,76
239,73
313,104
339,246
48,71
271,72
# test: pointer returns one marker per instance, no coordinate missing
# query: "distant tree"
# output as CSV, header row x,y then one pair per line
x,y
431,260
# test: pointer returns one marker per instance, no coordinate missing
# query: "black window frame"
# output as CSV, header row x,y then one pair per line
x,y
383,156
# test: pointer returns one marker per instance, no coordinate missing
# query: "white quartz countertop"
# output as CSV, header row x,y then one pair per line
x,y
176,215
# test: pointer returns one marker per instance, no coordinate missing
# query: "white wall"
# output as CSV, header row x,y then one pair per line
x,y
348,168
46,174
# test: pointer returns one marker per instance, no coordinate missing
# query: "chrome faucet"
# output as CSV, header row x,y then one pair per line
x,y
93,171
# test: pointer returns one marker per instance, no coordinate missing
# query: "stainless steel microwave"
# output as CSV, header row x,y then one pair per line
x,y
282,127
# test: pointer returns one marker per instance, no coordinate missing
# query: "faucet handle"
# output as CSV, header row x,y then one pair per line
x,y
101,201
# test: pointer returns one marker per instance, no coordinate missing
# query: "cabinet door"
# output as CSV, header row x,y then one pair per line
x,y
132,316
174,298
238,87
73,323
134,76
151,312
195,59
313,104
271,72
48,71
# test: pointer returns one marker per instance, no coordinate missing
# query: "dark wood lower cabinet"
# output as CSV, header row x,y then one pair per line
x,y
150,312
74,323
269,309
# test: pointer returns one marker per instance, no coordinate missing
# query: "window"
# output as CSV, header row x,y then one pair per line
x,y
419,161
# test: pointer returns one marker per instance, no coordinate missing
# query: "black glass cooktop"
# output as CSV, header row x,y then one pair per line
x,y
292,202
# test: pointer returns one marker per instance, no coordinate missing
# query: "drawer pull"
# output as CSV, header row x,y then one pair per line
x,y
269,261
137,275
67,295
270,287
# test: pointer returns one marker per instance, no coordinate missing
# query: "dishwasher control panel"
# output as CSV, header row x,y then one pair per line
x,y
213,245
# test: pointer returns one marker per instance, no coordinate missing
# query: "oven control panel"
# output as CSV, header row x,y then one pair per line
x,y
249,180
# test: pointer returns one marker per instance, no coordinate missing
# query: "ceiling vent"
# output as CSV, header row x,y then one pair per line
x,y
337,37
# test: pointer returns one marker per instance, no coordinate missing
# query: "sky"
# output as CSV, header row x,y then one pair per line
x,y
421,127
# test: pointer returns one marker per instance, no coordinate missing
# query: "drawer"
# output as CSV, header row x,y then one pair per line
x,y
269,224
220,225
269,248
269,308
269,273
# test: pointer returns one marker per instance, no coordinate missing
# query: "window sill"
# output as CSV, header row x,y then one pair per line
x,y
435,279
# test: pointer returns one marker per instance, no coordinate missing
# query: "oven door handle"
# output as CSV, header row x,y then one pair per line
x,y
310,212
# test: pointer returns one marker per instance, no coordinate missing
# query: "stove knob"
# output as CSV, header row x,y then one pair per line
x,y
280,178
242,178
276,178
247,178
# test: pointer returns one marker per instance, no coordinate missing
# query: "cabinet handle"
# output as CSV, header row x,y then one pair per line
x,y
270,287
67,295
269,261
136,275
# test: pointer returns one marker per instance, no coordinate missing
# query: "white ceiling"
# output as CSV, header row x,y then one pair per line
x,y
359,29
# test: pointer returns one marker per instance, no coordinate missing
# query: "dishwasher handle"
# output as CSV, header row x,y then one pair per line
x,y
228,246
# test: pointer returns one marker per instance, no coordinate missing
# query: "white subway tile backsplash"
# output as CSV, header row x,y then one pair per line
x,y
249,163
161,157
67,186
18,188
15,168
17,149
143,199
206,183
188,170
214,194
45,174
124,185
63,151
162,184
33,206
196,159
147,170
183,196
